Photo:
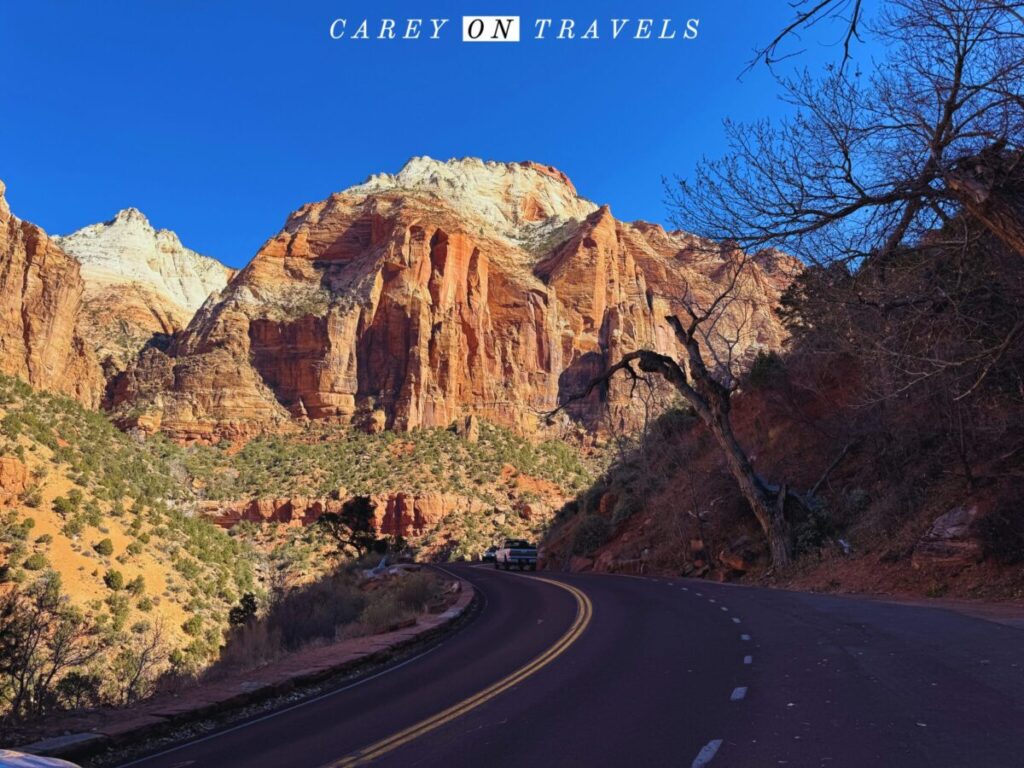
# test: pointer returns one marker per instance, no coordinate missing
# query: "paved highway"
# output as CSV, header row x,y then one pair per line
x,y
593,670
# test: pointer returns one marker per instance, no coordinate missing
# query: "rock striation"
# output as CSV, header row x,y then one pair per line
x,y
141,284
395,514
447,290
41,291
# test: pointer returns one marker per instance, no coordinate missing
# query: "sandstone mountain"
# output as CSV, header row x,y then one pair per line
x,y
41,292
141,284
449,289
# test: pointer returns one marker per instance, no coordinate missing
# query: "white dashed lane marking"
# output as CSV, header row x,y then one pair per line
x,y
735,620
748,659
738,693
706,753
745,637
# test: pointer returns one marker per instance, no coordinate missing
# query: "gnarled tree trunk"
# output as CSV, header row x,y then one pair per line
x,y
712,401
770,513
991,189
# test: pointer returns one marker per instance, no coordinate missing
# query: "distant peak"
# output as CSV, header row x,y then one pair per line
x,y
130,215
549,170
507,196
420,163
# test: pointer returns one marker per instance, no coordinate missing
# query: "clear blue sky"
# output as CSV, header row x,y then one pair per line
x,y
218,118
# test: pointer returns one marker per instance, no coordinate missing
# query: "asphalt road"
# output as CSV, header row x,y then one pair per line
x,y
663,672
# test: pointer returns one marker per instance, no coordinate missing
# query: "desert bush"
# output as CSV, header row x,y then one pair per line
x,y
73,527
114,579
62,506
193,626
626,505
41,640
416,591
35,562
137,586
307,614
135,667
812,530
104,547
591,532
244,611
385,613
79,689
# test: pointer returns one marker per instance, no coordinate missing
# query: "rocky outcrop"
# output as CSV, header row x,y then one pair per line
x,y
951,541
40,299
396,514
13,478
141,284
444,291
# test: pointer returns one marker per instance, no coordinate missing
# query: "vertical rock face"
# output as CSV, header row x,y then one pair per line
x,y
140,283
40,297
444,291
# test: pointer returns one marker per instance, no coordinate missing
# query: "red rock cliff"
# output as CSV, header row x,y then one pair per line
x,y
448,289
40,298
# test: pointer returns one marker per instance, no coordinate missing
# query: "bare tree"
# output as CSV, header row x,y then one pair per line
x,y
893,185
41,639
712,329
872,163
808,14
137,664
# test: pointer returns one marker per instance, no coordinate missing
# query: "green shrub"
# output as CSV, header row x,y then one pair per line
x,y
384,614
35,562
119,610
104,547
114,579
62,506
136,586
591,532
73,527
813,530
46,538
193,626
415,591
626,506
244,611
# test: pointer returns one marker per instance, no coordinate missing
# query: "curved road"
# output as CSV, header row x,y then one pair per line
x,y
621,671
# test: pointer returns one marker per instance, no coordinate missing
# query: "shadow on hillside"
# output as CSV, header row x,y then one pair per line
x,y
338,606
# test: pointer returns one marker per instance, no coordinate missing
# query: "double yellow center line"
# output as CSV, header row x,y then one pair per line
x,y
584,611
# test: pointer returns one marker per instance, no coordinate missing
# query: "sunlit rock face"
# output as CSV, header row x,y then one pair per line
x,y
141,284
41,291
446,290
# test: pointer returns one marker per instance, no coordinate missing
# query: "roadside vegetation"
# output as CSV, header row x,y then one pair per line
x,y
323,459
110,582
895,409
341,605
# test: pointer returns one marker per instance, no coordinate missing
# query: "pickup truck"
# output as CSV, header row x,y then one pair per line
x,y
516,553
